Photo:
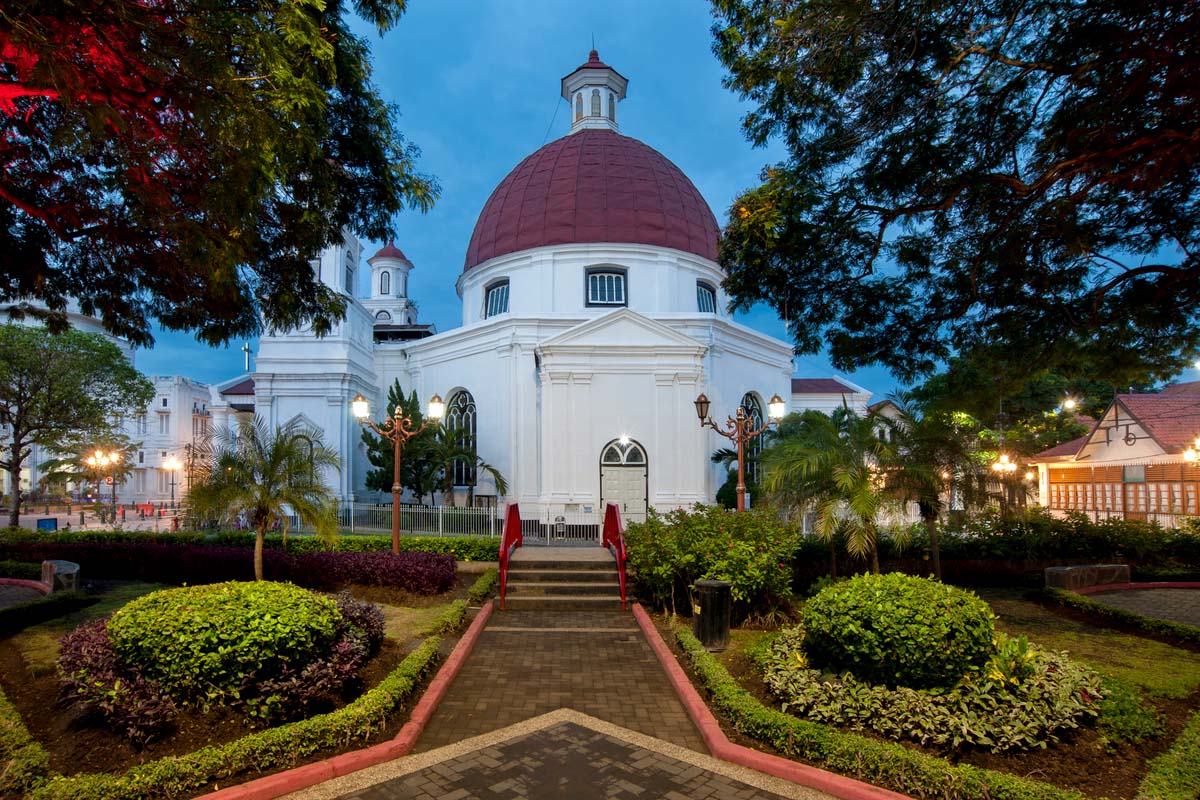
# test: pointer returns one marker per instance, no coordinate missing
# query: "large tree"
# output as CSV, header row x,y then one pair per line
x,y
1015,181
56,389
182,161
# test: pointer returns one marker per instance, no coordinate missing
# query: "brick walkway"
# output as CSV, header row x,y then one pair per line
x,y
14,595
1174,605
530,662
564,755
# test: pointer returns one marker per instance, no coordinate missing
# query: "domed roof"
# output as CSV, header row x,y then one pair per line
x,y
389,251
594,186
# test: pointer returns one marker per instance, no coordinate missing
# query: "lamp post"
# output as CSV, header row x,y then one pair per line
x,y
740,431
172,465
105,466
397,429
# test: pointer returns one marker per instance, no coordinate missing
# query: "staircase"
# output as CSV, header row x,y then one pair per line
x,y
563,579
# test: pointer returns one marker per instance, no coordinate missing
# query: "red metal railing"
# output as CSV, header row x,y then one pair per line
x,y
614,539
510,540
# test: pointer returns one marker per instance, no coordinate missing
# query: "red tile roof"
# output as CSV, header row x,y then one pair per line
x,y
1172,419
1065,449
594,186
820,386
1191,387
389,251
240,388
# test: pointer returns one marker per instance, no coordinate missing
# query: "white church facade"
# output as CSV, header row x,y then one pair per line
x,y
592,317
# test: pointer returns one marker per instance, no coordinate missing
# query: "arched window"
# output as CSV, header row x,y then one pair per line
x,y
754,447
496,300
579,106
385,282
383,316
612,107
629,454
460,419
706,298
606,287
596,102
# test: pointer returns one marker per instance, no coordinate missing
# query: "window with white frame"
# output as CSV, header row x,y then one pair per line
x,y
349,278
612,106
385,282
460,424
595,102
164,423
139,425
606,288
706,298
496,300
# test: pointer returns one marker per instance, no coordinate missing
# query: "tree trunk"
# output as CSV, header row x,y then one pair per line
x,y
258,550
874,553
832,558
935,554
14,474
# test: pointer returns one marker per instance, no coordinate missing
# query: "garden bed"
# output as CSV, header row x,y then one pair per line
x,y
1090,761
78,745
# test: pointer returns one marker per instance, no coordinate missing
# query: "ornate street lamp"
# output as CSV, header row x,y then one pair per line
x,y
105,466
172,465
397,429
740,431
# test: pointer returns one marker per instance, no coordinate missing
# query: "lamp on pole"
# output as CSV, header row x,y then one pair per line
x,y
172,465
105,466
397,429
740,431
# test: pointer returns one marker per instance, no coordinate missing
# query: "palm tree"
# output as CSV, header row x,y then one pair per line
x,y
834,464
448,447
261,474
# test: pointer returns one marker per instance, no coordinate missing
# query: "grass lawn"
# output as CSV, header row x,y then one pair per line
x,y
1158,669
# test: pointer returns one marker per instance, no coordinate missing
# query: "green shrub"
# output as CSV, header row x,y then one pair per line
x,y
483,588
24,570
24,615
202,643
751,550
898,630
1125,716
1025,702
884,764
1175,775
23,762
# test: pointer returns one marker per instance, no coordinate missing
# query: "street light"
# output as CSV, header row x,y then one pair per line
x,y
740,431
172,465
397,429
101,462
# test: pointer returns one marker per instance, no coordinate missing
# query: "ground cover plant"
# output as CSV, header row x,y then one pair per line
x,y
205,746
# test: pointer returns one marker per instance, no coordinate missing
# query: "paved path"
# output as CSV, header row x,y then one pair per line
x,y
15,595
1174,605
527,663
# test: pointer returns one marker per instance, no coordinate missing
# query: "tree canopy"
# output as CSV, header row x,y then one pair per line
x,y
61,390
1014,182
182,161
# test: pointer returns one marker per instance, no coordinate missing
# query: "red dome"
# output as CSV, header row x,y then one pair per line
x,y
594,186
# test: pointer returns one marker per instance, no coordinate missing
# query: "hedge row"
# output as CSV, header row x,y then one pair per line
x,y
422,573
22,760
463,548
483,588
276,748
1103,613
891,766
21,569
1175,775
15,619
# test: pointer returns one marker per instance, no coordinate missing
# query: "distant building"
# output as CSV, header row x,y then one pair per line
x,y
1137,462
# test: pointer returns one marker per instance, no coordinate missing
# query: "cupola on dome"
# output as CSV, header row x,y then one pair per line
x,y
594,186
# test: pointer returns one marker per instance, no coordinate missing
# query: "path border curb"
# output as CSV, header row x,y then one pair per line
x,y
318,772
719,745
1126,587
44,588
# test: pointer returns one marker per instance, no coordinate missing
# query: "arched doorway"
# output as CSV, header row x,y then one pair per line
x,y
624,478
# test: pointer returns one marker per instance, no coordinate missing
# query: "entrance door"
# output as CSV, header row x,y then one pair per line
x,y
623,479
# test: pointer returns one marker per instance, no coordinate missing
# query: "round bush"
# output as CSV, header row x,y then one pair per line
x,y
898,630
204,642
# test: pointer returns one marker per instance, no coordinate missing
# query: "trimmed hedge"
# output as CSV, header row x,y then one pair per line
x,y
21,569
891,766
276,748
15,619
1175,775
1102,613
22,760
483,588
421,573
463,548
898,630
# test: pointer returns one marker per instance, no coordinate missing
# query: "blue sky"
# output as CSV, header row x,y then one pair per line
x,y
477,83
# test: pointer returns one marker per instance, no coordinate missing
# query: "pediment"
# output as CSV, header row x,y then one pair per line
x,y
1119,436
622,329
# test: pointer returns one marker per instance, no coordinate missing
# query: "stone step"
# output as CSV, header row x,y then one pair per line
x,y
564,575
545,589
561,564
562,603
